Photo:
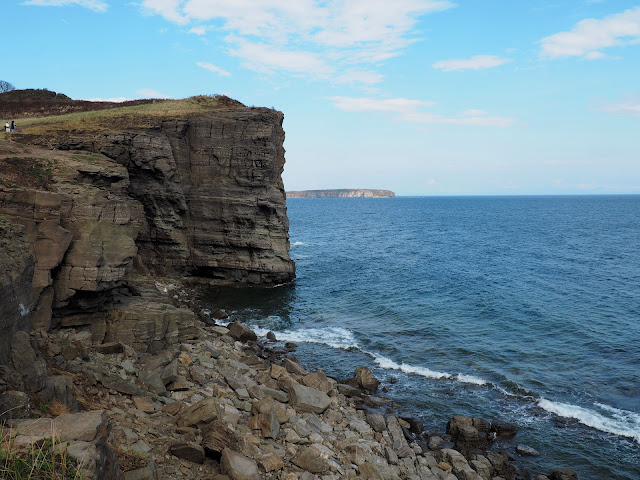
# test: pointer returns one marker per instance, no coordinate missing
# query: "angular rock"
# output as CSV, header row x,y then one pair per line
x,y
376,421
14,404
216,437
239,331
306,399
311,460
365,379
203,411
239,467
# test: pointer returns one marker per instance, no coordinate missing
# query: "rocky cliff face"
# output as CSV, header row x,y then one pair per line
x,y
101,216
342,193
213,196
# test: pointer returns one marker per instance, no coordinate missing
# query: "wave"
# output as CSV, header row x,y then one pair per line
x,y
298,244
622,422
334,337
389,364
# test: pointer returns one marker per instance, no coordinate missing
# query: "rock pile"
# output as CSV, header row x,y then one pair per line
x,y
222,406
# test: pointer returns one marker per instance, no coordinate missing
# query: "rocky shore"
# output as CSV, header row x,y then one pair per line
x,y
219,404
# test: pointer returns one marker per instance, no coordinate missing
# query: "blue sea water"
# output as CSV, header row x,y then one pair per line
x,y
525,309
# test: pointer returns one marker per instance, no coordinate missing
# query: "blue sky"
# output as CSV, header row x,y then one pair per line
x,y
423,97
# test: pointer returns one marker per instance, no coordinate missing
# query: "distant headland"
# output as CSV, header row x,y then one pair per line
x,y
342,193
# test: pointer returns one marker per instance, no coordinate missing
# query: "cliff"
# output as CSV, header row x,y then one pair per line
x,y
342,193
96,206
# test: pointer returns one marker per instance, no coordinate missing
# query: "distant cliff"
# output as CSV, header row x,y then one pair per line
x,y
342,193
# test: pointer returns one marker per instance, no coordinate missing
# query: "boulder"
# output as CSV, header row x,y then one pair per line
x,y
307,399
365,379
311,460
239,331
203,411
239,467
504,429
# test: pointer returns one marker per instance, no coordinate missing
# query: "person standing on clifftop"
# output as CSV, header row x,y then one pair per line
x,y
13,126
6,127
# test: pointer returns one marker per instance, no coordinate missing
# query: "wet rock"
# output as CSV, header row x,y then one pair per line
x,y
365,379
527,451
239,331
563,474
504,429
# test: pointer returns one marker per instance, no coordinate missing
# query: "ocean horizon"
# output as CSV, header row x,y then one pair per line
x,y
518,308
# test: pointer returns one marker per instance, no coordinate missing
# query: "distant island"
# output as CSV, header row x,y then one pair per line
x,y
342,193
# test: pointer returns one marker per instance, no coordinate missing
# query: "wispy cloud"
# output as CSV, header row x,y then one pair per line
x,y
112,99
591,35
212,68
307,37
624,109
477,62
95,5
151,93
411,111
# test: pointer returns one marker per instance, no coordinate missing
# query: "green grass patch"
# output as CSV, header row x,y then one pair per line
x,y
129,117
43,460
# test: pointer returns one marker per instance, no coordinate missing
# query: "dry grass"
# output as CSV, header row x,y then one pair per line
x,y
128,117
42,460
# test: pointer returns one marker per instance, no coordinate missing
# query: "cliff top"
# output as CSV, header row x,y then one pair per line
x,y
45,112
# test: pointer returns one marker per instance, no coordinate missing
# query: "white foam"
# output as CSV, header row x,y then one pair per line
x,y
622,423
298,244
334,337
471,379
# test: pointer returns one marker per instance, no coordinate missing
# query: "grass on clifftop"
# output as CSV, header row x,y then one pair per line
x,y
127,117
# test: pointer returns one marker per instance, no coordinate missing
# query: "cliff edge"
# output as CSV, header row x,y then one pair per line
x,y
95,206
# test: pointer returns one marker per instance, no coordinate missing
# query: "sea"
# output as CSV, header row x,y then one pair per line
x,y
519,308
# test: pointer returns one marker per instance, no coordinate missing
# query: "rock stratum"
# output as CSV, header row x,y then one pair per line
x,y
96,205
342,193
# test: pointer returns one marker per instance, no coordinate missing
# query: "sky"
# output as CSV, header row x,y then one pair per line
x,y
422,97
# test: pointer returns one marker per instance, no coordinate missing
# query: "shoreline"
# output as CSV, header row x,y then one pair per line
x,y
219,404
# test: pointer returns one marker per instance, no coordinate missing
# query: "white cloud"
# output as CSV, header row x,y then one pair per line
x,y
397,105
201,30
150,93
328,38
407,110
95,5
212,68
589,36
477,62
112,99
361,77
266,58
625,109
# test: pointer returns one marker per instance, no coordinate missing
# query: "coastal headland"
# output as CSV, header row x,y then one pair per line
x,y
111,220
342,193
